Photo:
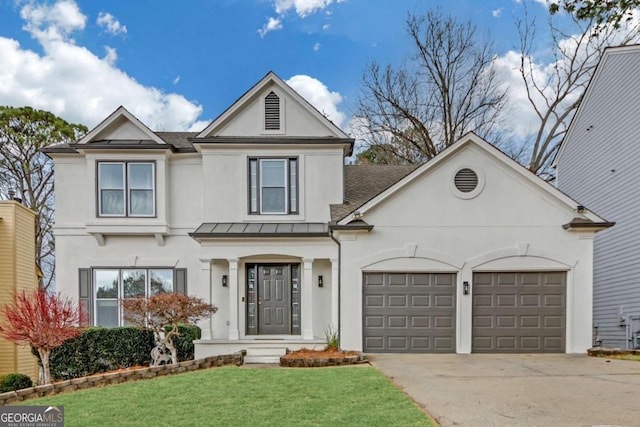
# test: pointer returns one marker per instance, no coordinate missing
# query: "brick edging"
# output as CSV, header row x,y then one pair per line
x,y
101,380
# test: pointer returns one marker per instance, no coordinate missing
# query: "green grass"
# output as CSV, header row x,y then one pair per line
x,y
635,357
231,396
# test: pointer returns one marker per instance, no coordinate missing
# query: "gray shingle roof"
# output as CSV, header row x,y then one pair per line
x,y
363,182
177,139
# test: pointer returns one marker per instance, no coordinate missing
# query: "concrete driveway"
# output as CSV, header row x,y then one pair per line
x,y
518,390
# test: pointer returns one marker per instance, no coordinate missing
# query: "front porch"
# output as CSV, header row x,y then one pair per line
x,y
271,296
258,350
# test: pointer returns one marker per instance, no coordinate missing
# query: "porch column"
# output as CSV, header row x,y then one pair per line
x,y
205,283
233,299
307,299
335,305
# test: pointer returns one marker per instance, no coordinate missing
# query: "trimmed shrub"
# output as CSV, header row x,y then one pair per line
x,y
184,342
101,349
14,381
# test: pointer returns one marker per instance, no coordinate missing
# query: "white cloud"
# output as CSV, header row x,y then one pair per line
x,y
302,8
111,57
76,84
48,23
111,24
317,47
271,25
325,27
497,13
314,91
176,80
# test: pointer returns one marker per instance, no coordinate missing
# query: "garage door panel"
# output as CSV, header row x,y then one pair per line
x,y
505,300
420,343
397,322
397,301
374,321
417,313
397,279
374,300
420,300
482,300
519,312
419,279
420,322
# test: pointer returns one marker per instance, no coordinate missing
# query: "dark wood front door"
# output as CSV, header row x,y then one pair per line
x,y
273,299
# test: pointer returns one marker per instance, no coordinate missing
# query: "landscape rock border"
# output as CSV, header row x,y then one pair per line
x,y
101,380
321,362
604,352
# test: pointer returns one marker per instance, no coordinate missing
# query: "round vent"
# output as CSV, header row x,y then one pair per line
x,y
466,180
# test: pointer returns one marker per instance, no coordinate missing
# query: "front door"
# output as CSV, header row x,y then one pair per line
x,y
273,299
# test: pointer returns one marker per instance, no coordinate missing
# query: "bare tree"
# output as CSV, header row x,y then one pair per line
x,y
408,114
603,12
556,93
27,173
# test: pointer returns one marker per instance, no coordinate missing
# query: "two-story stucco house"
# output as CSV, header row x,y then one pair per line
x,y
598,164
258,214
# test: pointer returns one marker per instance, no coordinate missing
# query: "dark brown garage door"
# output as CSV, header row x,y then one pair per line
x,y
519,312
409,313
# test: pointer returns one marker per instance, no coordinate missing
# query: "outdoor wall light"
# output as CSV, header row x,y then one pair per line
x,y
320,281
224,280
465,288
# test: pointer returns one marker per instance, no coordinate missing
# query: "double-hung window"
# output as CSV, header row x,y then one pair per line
x,y
273,186
126,189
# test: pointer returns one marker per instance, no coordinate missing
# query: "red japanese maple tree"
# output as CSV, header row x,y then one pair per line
x,y
166,309
42,320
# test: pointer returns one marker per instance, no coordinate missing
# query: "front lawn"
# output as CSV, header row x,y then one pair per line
x,y
346,396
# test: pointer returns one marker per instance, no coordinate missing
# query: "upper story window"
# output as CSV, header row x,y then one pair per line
x,y
126,189
273,186
272,112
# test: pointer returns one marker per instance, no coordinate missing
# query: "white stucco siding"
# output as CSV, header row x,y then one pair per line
x,y
225,183
510,226
186,189
73,187
294,118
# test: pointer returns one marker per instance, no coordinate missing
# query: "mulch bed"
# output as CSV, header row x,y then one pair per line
x,y
306,358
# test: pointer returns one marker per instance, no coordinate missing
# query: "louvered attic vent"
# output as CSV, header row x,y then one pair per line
x,y
272,112
466,180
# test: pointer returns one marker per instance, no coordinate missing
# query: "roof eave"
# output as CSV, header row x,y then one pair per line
x,y
588,226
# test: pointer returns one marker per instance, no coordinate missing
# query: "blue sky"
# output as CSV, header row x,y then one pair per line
x,y
178,64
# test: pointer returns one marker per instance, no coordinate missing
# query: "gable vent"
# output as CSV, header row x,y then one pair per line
x,y
466,180
272,112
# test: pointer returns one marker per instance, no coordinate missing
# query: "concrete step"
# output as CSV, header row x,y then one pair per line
x,y
264,354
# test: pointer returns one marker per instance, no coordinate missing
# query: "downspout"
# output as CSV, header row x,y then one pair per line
x,y
339,280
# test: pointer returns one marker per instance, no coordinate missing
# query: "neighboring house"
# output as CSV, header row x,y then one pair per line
x,y
598,165
257,214
18,272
